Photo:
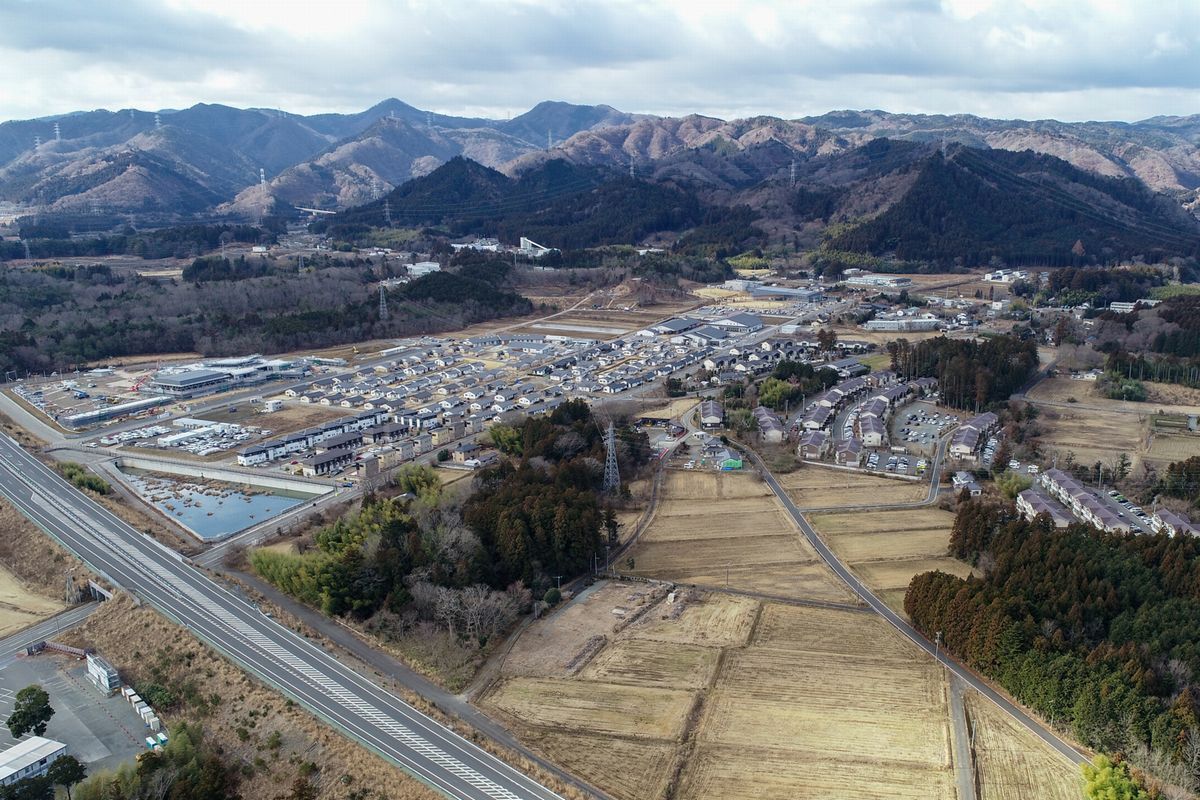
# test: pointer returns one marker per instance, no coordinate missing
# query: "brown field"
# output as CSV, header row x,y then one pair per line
x,y
1169,397
671,410
604,708
1168,448
740,537
716,771
822,703
1012,763
887,548
747,699
546,648
646,662
1092,435
814,487
726,623
19,606
631,769
292,417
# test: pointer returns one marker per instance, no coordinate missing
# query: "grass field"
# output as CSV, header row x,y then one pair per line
x,y
631,769
739,537
1012,763
646,662
887,548
814,487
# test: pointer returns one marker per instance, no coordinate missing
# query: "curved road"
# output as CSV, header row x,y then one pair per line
x,y
312,677
962,673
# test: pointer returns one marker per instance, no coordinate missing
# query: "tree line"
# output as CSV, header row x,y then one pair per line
x,y
972,375
470,563
1098,633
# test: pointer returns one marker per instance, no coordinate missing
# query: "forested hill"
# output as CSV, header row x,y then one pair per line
x,y
559,204
972,204
912,202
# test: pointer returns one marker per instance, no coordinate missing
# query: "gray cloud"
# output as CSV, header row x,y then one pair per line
x,y
1073,60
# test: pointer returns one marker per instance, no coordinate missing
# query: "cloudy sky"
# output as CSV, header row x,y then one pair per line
x,y
1066,59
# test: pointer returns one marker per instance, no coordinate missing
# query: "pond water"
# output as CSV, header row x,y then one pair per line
x,y
210,509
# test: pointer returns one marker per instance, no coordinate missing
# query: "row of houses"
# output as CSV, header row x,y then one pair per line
x,y
971,435
1082,502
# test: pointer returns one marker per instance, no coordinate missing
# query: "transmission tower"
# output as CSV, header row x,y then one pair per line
x,y
383,312
262,177
631,174
157,122
612,476
792,180
57,133
37,142
549,142
387,212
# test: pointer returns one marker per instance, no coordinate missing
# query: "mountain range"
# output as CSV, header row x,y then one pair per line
x,y
207,158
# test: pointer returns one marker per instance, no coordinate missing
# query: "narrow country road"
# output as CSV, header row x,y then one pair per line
x,y
899,623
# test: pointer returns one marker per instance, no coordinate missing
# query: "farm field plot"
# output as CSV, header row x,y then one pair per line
x,y
887,548
1169,397
292,417
626,768
1092,435
885,535
1167,448
646,662
1011,763
718,771
547,648
813,487
723,622
822,703
603,708
738,536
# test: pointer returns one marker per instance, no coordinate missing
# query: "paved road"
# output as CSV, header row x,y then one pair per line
x,y
301,670
899,623
15,644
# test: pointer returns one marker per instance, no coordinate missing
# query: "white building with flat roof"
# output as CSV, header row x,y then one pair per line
x,y
29,758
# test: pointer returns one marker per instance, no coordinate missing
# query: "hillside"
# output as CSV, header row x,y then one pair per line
x,y
334,160
899,200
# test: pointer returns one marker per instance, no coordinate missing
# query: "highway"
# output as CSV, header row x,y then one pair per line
x,y
899,623
302,671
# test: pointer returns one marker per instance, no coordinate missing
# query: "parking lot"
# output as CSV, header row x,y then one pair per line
x,y
100,731
1137,517
899,463
918,426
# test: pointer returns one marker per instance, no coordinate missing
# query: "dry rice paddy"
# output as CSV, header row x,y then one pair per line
x,y
1013,764
739,537
814,487
724,696
887,548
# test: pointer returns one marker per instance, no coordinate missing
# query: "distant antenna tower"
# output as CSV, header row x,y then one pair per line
x,y
262,177
792,179
383,312
57,133
157,122
612,476
387,212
